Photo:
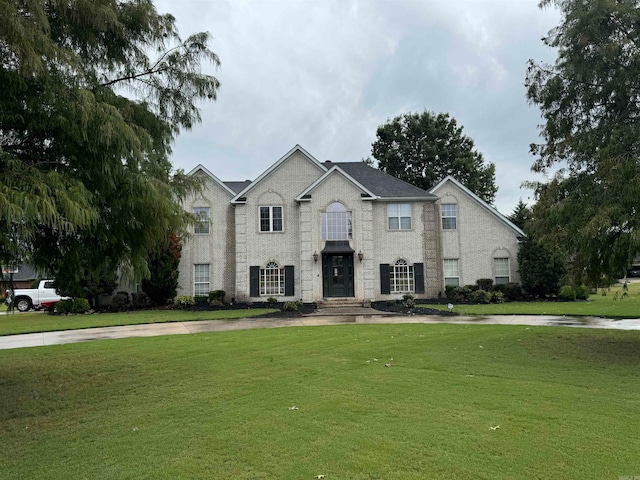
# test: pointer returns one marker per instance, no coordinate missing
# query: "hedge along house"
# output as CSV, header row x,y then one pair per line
x,y
334,232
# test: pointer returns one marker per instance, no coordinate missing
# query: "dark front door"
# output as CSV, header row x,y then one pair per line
x,y
337,273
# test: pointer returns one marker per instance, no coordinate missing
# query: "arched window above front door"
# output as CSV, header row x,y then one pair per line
x,y
336,223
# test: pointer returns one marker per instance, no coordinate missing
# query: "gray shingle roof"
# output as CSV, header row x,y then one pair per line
x,y
380,183
237,187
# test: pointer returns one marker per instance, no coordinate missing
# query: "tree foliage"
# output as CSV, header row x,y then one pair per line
x,y
521,215
94,93
162,284
423,149
590,104
542,270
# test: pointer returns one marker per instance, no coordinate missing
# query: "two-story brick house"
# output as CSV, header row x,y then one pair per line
x,y
314,230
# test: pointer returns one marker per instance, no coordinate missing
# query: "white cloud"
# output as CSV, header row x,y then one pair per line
x,y
326,73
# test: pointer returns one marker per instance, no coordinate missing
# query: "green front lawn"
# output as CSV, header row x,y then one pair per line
x,y
610,306
458,402
30,322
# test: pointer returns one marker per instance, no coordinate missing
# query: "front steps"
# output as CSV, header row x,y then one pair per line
x,y
342,302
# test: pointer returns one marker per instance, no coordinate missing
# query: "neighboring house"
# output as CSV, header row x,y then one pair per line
x,y
23,277
319,231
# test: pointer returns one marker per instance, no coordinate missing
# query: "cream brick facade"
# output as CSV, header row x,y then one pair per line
x,y
304,188
481,235
216,248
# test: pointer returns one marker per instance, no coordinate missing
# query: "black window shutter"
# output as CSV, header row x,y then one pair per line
x,y
289,281
254,281
385,283
418,273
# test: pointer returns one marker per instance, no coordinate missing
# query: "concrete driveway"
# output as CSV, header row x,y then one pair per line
x,y
322,317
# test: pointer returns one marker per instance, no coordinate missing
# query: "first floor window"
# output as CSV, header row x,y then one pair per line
x,y
270,219
202,220
201,279
401,277
501,267
451,273
449,216
399,216
271,280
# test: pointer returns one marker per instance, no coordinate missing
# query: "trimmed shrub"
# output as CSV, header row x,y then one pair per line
x,y
63,307
272,301
408,300
80,305
497,297
217,296
201,299
140,299
481,296
120,301
568,293
184,301
582,292
485,284
460,294
292,306
513,292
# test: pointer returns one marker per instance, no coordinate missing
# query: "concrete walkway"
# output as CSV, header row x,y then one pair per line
x,y
321,317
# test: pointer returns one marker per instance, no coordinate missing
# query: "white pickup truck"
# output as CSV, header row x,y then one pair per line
x,y
44,296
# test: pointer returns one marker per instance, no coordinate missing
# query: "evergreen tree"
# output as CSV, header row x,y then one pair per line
x,y
520,215
87,120
162,283
422,149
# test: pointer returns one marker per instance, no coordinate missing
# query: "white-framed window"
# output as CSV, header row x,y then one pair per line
x,y
201,285
451,272
270,219
336,223
449,220
271,280
401,277
202,219
502,271
399,216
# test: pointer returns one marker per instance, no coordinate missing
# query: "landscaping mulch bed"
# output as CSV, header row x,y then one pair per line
x,y
419,309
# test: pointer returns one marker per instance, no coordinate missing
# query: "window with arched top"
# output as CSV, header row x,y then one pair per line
x,y
401,277
272,279
336,223
502,271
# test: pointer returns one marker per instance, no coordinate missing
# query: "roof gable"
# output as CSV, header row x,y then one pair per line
x,y
212,177
337,170
479,201
297,149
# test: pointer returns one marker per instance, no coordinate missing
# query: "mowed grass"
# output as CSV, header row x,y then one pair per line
x,y
31,322
611,305
458,402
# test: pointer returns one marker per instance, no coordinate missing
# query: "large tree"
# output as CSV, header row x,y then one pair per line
x,y
94,93
423,148
590,104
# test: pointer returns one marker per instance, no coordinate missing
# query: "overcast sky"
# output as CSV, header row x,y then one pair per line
x,y
325,74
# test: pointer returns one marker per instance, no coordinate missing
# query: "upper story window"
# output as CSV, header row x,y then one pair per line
x,y
449,216
270,219
399,216
501,267
202,220
401,277
451,272
336,223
